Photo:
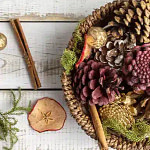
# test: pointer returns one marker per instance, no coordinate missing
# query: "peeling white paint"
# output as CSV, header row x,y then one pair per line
x,y
45,10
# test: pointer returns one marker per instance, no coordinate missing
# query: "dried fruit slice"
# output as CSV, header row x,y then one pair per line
x,y
86,50
47,115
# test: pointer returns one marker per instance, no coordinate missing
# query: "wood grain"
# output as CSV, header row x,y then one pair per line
x,y
48,10
46,42
71,137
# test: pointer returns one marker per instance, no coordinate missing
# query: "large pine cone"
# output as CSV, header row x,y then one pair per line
x,y
96,83
137,68
113,52
118,111
134,15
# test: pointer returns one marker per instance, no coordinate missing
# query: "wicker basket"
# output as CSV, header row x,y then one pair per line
x,y
120,143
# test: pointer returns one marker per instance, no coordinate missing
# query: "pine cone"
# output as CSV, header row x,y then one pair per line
x,y
113,53
118,32
135,16
137,68
115,33
119,112
96,83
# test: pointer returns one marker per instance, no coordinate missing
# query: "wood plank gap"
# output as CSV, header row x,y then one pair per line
x,y
15,89
38,21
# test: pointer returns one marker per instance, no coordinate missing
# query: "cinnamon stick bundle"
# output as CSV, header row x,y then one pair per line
x,y
26,52
98,127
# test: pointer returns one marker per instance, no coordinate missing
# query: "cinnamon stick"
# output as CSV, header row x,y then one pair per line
x,y
26,52
98,127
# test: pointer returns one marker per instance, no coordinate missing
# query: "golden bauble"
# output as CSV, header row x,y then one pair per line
x,y
96,37
3,41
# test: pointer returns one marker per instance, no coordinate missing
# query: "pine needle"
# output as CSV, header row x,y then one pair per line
x,y
8,122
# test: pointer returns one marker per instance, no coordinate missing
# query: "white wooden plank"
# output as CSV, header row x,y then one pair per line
x,y
48,10
47,42
71,137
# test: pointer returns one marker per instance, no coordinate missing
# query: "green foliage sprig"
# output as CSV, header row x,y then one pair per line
x,y
7,121
68,60
139,131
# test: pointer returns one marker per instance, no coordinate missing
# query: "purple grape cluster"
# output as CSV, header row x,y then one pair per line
x,y
137,68
96,83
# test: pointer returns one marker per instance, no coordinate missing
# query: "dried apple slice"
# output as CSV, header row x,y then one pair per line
x,y
47,115
86,50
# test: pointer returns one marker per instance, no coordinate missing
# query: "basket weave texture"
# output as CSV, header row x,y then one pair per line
x,y
84,120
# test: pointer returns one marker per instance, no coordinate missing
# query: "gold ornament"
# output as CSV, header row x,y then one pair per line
x,y
96,37
3,41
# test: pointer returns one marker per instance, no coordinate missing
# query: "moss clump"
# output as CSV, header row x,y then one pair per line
x,y
68,60
138,132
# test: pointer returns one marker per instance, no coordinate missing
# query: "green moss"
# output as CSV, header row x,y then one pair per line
x,y
68,60
7,121
138,132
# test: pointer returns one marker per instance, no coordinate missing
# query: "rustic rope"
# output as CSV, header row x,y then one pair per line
x,y
119,143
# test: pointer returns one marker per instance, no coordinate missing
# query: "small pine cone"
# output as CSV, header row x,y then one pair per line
x,y
119,112
135,16
113,53
96,83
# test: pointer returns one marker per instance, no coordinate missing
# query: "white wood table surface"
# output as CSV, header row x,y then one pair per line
x,y
48,25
